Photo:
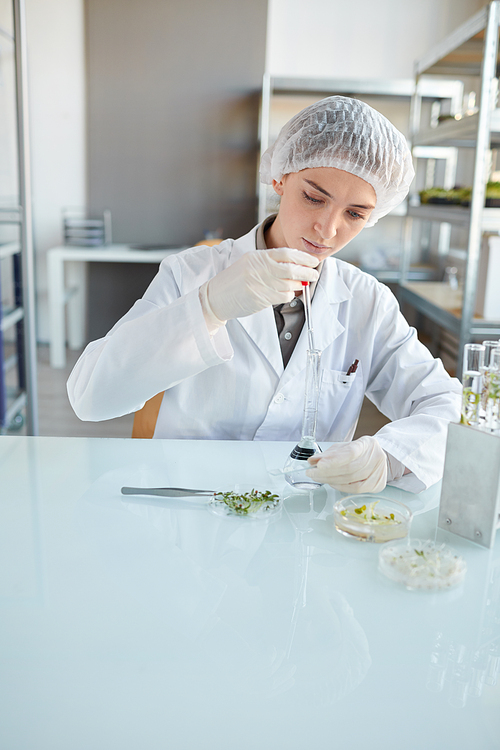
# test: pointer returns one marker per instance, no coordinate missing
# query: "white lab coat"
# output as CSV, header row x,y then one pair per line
x,y
233,386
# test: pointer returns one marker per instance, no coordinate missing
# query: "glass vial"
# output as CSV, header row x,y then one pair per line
x,y
492,409
472,383
296,464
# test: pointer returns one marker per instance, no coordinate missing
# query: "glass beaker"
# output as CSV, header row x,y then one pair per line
x,y
296,463
472,383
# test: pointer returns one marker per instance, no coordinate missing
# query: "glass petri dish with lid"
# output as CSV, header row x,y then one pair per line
x,y
371,518
421,564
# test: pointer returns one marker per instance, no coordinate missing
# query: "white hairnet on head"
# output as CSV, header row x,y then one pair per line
x,y
347,134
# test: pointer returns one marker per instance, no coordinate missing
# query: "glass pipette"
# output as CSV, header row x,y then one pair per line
x,y
307,308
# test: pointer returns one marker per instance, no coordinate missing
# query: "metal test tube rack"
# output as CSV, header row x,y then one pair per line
x,y
470,496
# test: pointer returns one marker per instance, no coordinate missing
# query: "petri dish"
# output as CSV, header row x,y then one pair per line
x,y
421,564
371,518
249,501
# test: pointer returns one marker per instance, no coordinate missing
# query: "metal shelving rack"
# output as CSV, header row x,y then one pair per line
x,y
21,314
471,51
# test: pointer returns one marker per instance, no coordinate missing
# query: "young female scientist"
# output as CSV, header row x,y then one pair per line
x,y
219,332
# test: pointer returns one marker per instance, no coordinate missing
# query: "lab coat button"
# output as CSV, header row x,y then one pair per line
x,y
279,398
288,335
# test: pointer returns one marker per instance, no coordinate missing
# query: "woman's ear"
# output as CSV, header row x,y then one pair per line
x,y
278,186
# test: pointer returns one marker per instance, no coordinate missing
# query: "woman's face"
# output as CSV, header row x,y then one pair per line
x,y
321,210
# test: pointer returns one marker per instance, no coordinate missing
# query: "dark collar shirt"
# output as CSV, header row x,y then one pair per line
x,y
290,316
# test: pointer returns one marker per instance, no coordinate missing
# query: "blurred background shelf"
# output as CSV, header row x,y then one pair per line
x,y
454,147
457,215
459,132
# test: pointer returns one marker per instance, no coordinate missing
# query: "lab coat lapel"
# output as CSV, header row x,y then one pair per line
x,y
330,292
261,327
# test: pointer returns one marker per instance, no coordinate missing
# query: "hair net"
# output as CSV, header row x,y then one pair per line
x,y
347,134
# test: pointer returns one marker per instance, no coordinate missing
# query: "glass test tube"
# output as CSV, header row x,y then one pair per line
x,y
472,383
492,411
489,348
312,391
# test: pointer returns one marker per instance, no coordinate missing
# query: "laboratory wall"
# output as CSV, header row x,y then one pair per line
x,y
172,114
172,125
56,77
365,39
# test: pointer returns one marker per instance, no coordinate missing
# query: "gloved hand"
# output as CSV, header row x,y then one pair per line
x,y
257,280
359,466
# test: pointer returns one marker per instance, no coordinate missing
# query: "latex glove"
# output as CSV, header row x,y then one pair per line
x,y
255,281
359,466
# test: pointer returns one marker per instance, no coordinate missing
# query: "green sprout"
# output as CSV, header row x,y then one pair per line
x,y
248,502
470,403
364,514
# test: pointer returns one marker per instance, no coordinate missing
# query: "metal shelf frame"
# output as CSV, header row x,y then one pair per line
x,y
471,50
12,403
457,216
463,40
22,316
461,132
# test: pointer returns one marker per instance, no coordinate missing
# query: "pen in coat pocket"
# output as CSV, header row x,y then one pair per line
x,y
353,367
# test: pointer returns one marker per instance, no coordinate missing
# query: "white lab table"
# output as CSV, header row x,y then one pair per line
x,y
145,624
67,287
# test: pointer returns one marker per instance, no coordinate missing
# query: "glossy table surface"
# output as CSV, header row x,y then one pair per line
x,y
138,623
